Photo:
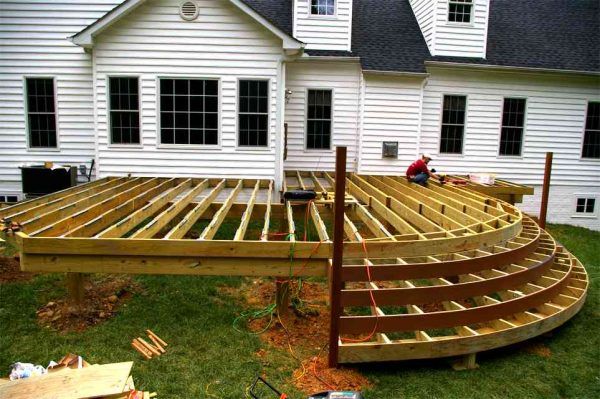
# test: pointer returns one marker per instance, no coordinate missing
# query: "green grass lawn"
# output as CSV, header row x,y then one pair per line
x,y
195,318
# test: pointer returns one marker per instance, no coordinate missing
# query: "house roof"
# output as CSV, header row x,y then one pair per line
x,y
543,34
386,36
547,34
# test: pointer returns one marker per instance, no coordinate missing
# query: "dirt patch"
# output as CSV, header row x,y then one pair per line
x,y
303,332
10,271
538,349
101,302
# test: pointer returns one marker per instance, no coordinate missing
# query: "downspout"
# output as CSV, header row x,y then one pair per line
x,y
360,120
420,122
281,78
95,101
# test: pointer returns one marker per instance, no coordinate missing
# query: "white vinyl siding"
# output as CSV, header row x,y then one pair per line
x,y
33,43
324,32
424,12
554,121
222,43
391,113
343,80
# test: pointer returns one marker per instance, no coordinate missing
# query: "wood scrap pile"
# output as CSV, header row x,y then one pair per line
x,y
74,378
147,350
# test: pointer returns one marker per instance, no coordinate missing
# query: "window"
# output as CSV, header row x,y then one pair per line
x,y
513,120
189,111
318,121
460,10
41,116
124,111
7,198
253,113
585,205
591,137
322,7
453,124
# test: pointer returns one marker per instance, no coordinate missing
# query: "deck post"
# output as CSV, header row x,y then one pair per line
x,y
338,254
545,190
75,288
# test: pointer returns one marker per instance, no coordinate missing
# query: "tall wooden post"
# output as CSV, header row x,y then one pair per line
x,y
545,190
338,254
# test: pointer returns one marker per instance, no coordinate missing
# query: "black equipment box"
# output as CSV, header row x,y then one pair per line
x,y
39,180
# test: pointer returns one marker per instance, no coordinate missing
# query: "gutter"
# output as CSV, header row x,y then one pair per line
x,y
397,73
501,68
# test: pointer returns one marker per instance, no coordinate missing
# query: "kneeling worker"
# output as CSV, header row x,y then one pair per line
x,y
418,172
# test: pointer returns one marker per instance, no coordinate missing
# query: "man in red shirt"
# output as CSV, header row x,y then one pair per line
x,y
418,172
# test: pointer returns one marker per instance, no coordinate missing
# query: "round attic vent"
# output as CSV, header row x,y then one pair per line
x,y
189,11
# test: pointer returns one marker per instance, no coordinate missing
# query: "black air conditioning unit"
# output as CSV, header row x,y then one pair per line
x,y
39,180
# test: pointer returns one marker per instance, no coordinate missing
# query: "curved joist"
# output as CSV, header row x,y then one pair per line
x,y
496,316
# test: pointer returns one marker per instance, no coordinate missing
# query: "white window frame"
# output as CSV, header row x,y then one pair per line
x,y
331,145
26,109
583,215
332,16
587,108
502,156
471,15
195,147
441,124
109,119
237,116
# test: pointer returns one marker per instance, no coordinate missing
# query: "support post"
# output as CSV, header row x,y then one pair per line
x,y
545,190
75,288
338,254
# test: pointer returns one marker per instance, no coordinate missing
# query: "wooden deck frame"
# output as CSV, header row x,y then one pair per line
x,y
497,277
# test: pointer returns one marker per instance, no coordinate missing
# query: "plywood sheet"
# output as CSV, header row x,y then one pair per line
x,y
88,382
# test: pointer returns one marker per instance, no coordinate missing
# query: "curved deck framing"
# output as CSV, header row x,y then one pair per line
x,y
456,270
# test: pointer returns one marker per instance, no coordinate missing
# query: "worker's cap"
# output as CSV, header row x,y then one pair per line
x,y
427,155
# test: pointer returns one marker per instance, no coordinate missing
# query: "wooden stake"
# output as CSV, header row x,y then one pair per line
x,y
157,344
338,255
546,190
161,341
148,346
139,348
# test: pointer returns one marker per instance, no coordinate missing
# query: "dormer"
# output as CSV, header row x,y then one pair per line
x,y
323,24
453,28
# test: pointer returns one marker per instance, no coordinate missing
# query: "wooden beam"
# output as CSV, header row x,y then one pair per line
x,y
73,221
241,231
264,236
86,191
150,198
163,218
25,205
210,230
48,217
192,216
134,219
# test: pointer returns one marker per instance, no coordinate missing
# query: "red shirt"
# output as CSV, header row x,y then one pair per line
x,y
419,166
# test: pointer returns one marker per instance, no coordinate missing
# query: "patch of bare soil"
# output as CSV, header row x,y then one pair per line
x,y
10,271
303,332
102,300
538,349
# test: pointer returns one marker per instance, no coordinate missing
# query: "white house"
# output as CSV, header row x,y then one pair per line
x,y
204,88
